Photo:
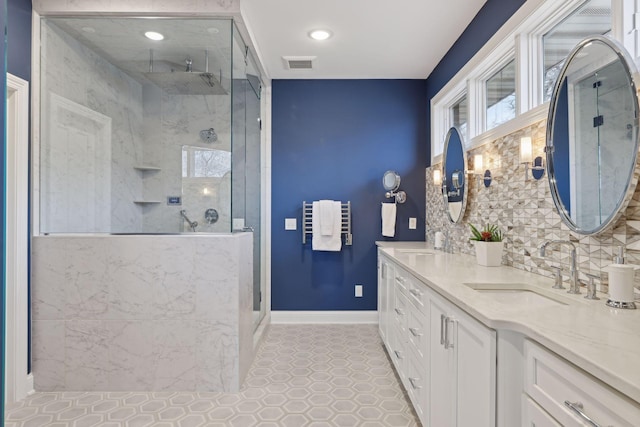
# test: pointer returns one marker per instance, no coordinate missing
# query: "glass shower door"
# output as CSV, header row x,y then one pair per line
x,y
246,159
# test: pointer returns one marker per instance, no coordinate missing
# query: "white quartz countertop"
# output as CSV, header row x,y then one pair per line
x,y
599,339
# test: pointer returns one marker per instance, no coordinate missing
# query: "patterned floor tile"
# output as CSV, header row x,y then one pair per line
x,y
303,375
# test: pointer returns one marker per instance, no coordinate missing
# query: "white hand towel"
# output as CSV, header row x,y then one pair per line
x,y
388,219
326,243
327,217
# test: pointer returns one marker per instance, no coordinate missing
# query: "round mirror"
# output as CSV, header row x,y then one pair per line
x,y
592,135
391,180
454,186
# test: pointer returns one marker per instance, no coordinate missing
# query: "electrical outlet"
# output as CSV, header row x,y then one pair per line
x,y
358,291
413,223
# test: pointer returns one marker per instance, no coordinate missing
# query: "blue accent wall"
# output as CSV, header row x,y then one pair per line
x,y
334,139
484,25
19,38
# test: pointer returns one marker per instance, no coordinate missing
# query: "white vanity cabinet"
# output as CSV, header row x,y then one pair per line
x,y
445,359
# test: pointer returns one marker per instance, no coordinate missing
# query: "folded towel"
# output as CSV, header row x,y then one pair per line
x,y
332,242
327,217
388,219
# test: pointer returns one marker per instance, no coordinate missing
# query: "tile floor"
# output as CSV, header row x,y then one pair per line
x,y
303,375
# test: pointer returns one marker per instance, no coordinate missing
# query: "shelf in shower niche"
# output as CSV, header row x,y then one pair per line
x,y
146,168
147,202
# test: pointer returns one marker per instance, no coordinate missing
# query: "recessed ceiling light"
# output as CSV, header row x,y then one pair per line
x,y
153,35
320,34
88,29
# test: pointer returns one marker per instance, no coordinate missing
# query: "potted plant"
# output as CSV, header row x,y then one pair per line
x,y
489,245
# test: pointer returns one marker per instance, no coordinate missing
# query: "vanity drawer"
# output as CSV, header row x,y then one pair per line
x,y
418,332
402,280
554,384
534,416
400,313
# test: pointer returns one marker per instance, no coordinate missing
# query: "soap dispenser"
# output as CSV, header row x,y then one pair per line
x,y
621,282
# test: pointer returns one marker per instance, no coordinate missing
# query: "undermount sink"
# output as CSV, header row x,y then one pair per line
x,y
518,294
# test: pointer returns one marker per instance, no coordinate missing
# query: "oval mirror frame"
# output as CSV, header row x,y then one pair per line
x,y
391,180
632,178
454,175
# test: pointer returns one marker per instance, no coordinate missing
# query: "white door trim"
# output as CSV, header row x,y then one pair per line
x,y
18,382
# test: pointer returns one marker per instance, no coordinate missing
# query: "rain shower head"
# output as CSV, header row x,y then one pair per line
x,y
208,135
188,82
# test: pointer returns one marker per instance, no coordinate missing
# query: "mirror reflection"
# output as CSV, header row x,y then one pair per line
x,y
592,135
454,186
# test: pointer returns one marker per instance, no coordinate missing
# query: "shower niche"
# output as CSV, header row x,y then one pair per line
x,y
130,123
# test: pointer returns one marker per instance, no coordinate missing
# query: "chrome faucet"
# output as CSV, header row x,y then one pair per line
x,y
575,283
192,224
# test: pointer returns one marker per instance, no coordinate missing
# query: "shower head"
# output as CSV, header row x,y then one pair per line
x,y
208,135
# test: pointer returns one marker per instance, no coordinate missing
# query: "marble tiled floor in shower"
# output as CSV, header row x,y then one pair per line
x,y
303,375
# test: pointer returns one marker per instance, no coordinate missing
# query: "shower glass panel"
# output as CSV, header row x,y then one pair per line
x,y
246,159
121,114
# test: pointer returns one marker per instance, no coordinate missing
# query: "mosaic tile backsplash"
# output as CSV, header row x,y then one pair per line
x,y
525,212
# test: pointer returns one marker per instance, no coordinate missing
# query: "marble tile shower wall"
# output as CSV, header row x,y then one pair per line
x,y
77,73
148,127
171,121
524,210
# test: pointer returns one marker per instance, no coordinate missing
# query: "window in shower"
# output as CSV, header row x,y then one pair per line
x,y
200,162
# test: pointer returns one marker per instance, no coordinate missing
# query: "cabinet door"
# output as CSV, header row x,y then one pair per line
x,y
463,368
442,368
475,347
382,298
385,297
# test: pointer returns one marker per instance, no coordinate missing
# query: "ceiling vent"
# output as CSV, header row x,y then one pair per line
x,y
595,11
298,62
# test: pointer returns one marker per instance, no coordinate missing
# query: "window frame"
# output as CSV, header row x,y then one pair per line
x,y
520,38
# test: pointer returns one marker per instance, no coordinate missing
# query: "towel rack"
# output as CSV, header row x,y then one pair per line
x,y
307,223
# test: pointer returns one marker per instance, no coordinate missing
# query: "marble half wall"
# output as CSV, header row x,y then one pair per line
x,y
524,210
148,313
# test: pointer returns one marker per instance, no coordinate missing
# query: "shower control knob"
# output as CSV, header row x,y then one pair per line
x,y
211,216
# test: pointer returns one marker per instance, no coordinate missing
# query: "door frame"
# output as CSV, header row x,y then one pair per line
x,y
18,381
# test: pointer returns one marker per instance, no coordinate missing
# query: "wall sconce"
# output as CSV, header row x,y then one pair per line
x,y
526,158
437,177
479,171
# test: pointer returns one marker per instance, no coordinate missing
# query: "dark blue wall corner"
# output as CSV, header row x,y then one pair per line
x,y
334,139
484,25
19,38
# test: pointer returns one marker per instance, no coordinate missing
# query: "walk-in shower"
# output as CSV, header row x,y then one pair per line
x,y
149,196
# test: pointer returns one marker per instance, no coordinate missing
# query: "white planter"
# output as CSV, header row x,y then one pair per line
x,y
489,254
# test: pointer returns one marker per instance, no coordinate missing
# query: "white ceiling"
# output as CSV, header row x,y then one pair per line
x,y
400,39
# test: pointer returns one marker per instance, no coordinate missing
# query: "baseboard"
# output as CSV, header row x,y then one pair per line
x,y
30,385
357,316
